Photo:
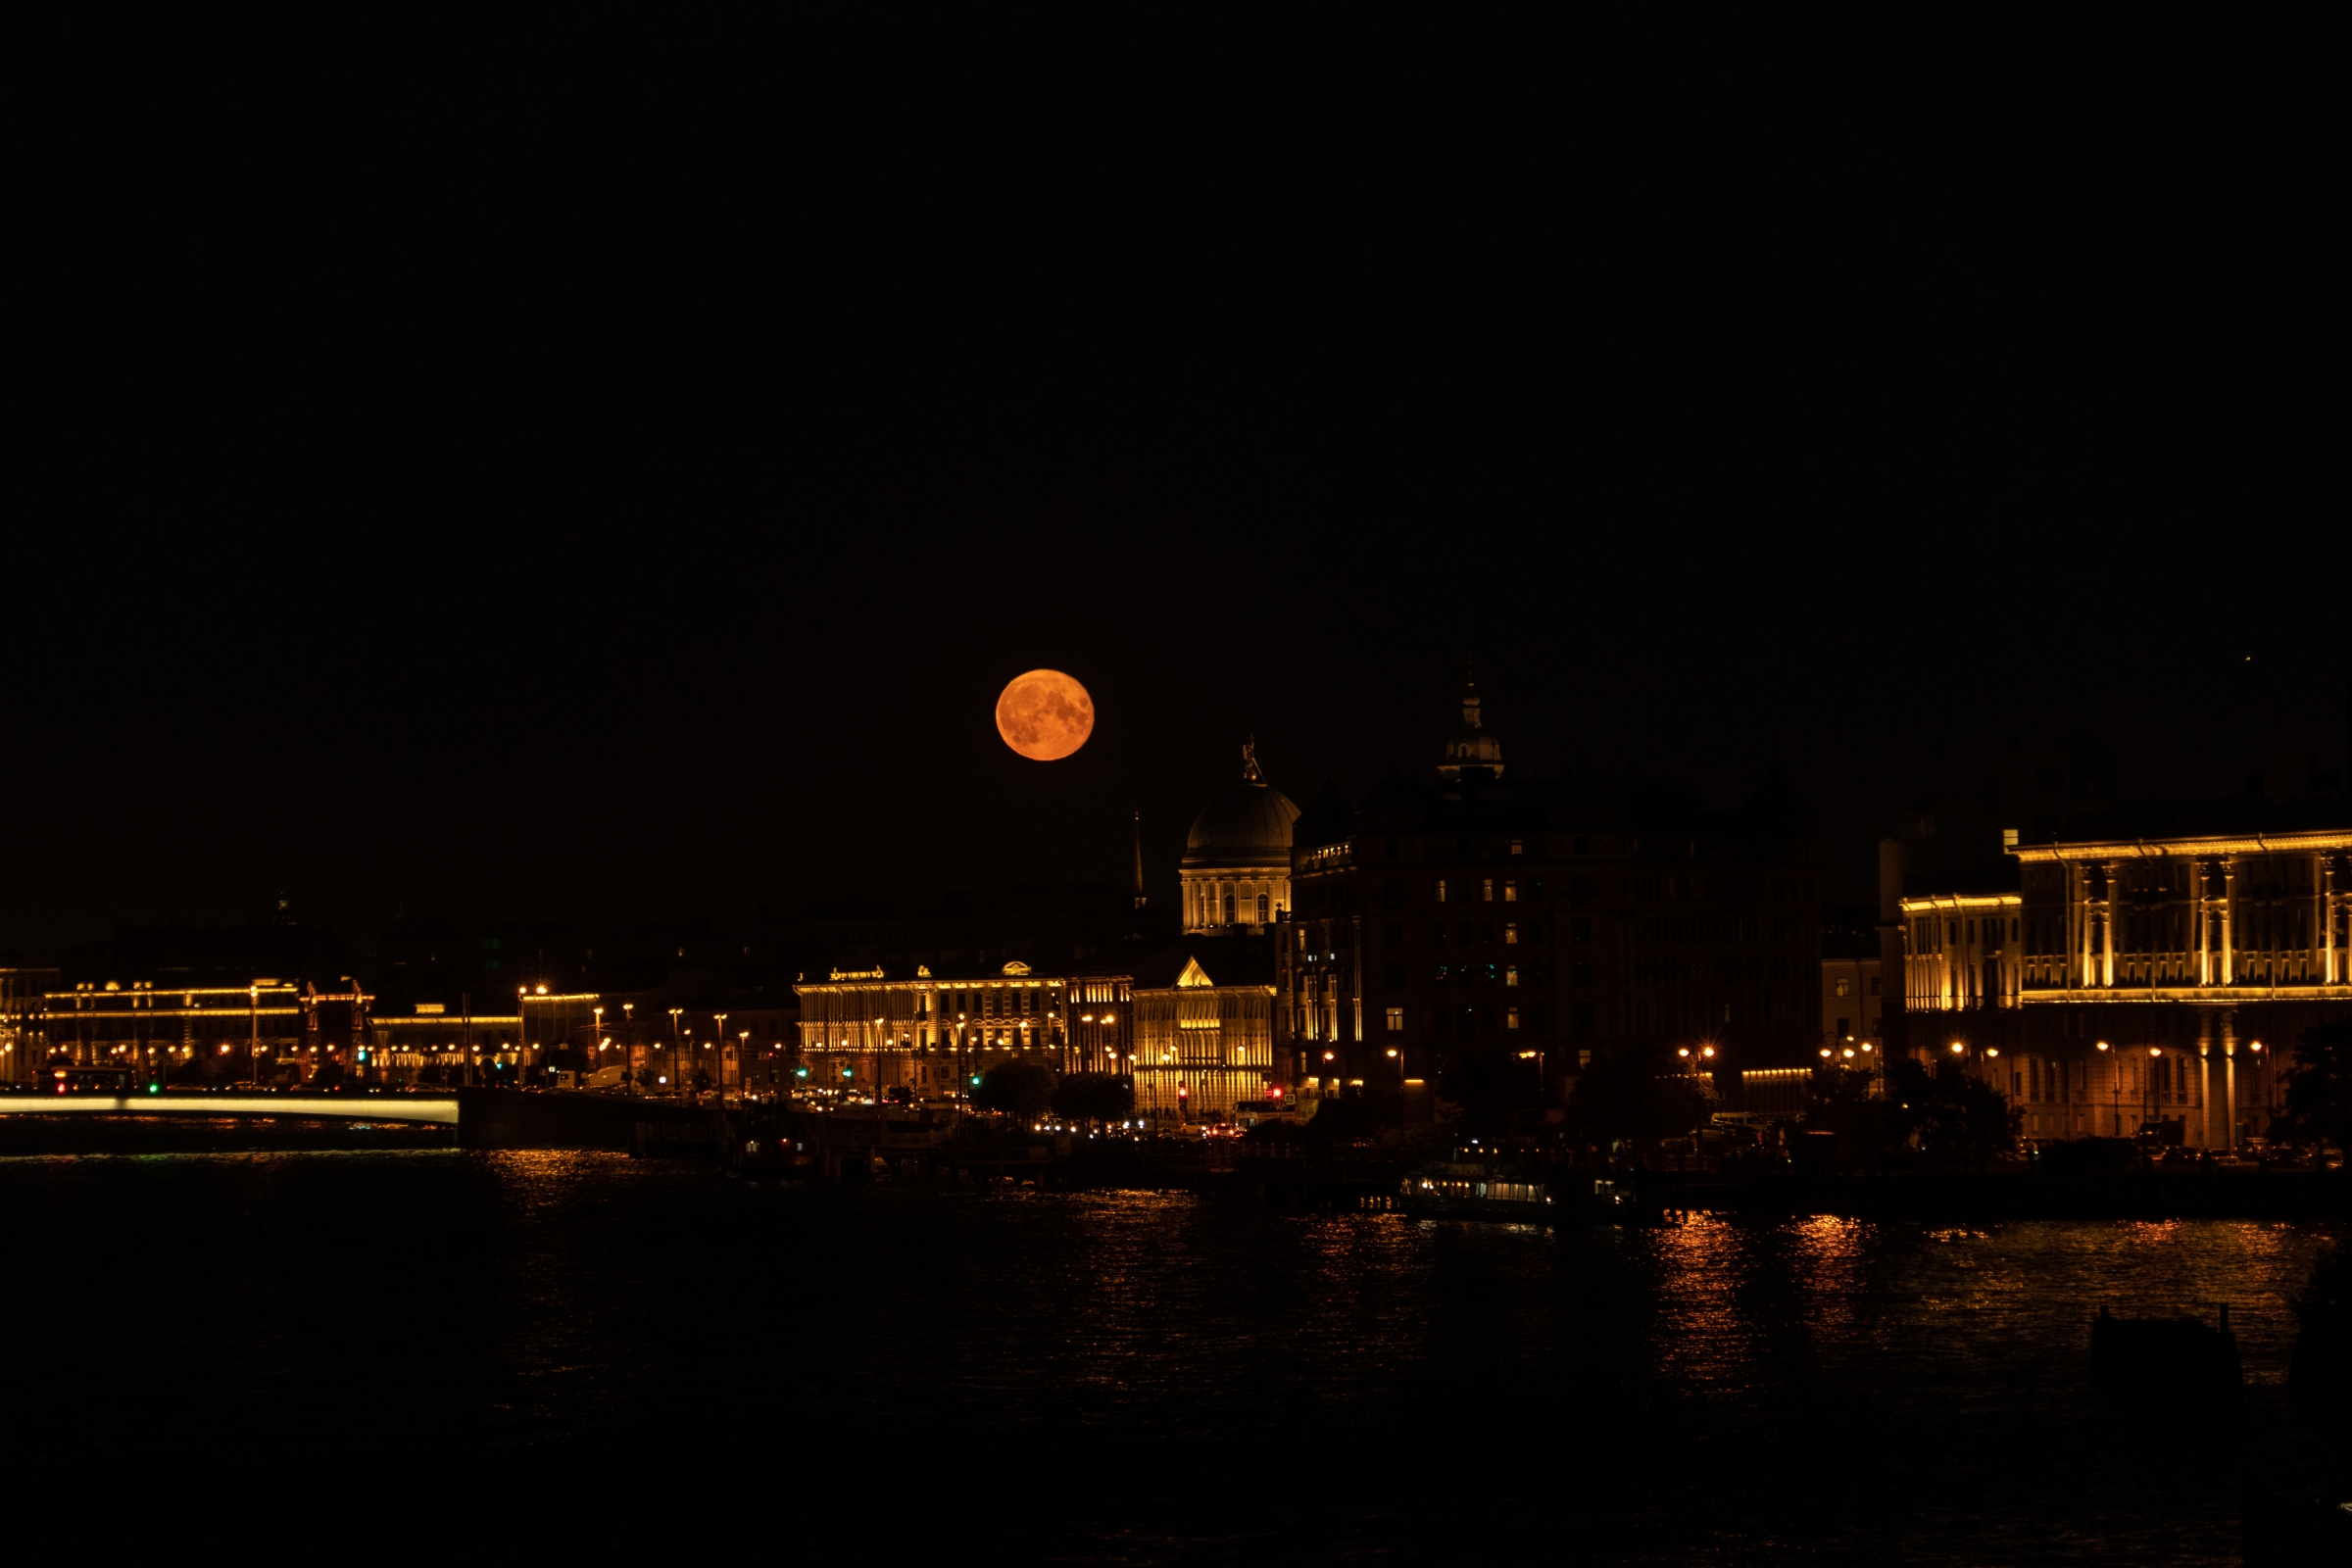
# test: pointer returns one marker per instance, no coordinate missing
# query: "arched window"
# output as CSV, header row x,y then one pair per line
x,y
1229,907
1262,901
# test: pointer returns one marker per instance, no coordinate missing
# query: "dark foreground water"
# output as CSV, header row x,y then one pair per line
x,y
576,1355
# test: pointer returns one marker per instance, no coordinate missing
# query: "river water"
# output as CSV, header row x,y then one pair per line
x,y
543,1351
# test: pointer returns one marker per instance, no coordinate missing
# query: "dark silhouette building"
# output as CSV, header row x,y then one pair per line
x,y
1526,925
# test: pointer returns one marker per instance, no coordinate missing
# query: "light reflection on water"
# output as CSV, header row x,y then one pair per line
x,y
1185,1376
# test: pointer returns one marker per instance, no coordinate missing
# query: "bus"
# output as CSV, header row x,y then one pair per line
x,y
115,1081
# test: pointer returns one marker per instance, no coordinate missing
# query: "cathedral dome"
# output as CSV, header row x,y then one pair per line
x,y
1246,824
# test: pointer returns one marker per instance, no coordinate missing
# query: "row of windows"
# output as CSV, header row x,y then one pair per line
x,y
1954,931
1482,889
2257,876
1477,849
2254,930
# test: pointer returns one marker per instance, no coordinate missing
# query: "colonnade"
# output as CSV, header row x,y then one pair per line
x,y
2200,934
1215,902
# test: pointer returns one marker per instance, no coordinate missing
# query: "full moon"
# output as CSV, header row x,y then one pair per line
x,y
1045,715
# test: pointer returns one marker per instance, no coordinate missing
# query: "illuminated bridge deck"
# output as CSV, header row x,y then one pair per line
x,y
441,1109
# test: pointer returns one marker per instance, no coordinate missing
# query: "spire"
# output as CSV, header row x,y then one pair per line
x,y
1249,772
1139,856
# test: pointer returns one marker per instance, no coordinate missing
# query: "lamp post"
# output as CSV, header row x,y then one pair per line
x,y
2114,1091
674,1086
719,1061
628,1044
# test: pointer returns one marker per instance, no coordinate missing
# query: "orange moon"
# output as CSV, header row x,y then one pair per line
x,y
1045,715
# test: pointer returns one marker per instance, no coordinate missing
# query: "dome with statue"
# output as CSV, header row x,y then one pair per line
x,y
1237,859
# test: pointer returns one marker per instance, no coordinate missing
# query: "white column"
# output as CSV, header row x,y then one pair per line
x,y
2228,1080
2077,930
2205,971
2326,880
2204,1082
2322,941
2335,959
2230,920
2107,934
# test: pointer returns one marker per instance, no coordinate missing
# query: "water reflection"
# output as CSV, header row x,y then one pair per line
x,y
1349,1384
1701,1334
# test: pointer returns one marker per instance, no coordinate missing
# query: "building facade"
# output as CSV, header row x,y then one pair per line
x,y
1236,871
866,1032
436,1044
2152,983
1204,1030
1853,1011
21,1048
1962,951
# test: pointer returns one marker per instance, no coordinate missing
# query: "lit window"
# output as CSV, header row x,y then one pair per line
x,y
1510,1019
1510,932
1510,890
1518,847
1395,1020
1440,890
1510,975
1485,890
1842,986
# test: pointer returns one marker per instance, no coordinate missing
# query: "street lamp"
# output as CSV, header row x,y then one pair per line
x,y
674,1012
719,1066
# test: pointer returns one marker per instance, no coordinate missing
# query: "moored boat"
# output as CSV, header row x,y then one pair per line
x,y
1480,1190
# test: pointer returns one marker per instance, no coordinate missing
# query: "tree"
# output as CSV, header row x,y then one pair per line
x,y
1095,1096
2319,1087
1635,1096
1845,1101
1946,1111
1017,1087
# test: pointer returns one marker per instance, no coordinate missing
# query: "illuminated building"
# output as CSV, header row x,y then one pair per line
x,y
2127,981
1853,1011
21,1006
1204,1029
1962,952
1541,921
269,1028
870,1030
1235,870
440,1043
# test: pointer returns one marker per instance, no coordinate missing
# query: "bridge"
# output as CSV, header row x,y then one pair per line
x,y
484,1118
441,1109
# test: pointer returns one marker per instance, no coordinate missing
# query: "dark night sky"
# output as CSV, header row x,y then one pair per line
x,y
611,477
